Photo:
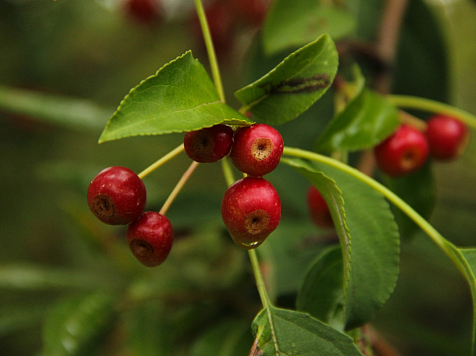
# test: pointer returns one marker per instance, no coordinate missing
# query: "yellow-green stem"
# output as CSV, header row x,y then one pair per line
x,y
210,49
178,187
413,102
161,161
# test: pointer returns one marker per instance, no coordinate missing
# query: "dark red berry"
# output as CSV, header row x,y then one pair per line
x,y
405,151
209,144
257,149
318,209
143,11
117,196
447,137
150,238
251,210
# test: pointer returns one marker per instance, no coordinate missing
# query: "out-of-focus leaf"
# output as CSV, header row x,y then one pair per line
x,y
467,259
287,332
416,189
229,338
322,294
421,63
36,277
19,317
147,330
179,97
76,325
295,23
56,109
294,85
365,121
286,254
369,239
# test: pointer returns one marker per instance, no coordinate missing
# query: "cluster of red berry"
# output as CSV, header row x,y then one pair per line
x,y
251,208
405,151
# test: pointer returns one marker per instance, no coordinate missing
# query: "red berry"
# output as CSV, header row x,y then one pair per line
x,y
447,137
405,151
318,209
209,144
257,149
251,210
150,238
144,11
117,196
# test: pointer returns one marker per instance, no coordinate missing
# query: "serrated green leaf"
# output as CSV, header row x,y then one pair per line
x,y
369,238
75,326
287,332
295,23
467,258
366,120
294,85
179,97
321,293
229,338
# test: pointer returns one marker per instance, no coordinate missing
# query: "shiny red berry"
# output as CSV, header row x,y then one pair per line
x,y
209,144
117,196
318,209
447,137
257,149
150,238
251,210
405,151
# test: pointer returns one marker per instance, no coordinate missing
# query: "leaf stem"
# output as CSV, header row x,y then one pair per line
x,y
178,187
210,49
392,197
161,161
413,102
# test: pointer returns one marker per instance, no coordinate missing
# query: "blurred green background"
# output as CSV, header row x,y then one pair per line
x,y
53,248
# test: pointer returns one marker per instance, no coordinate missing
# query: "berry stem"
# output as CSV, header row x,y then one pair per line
x,y
161,161
178,187
210,49
413,102
227,171
451,251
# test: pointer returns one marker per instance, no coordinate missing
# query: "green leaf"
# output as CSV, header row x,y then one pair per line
x,y
365,121
76,326
179,97
294,85
229,338
369,238
321,294
293,24
287,332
